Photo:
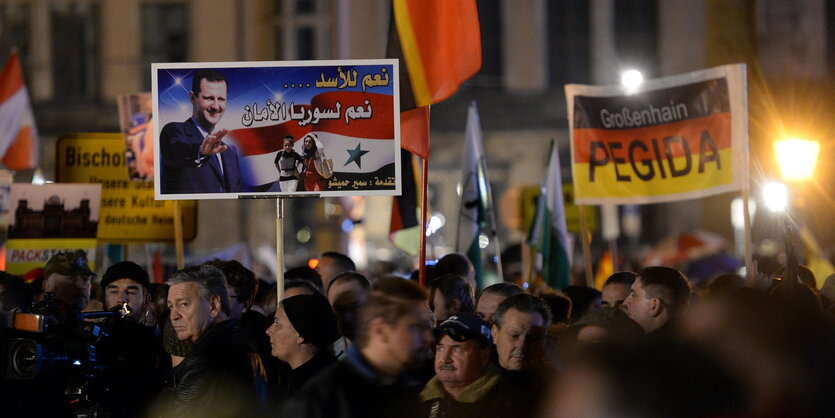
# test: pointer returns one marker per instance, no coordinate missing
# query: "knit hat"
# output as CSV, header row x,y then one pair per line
x,y
313,318
125,270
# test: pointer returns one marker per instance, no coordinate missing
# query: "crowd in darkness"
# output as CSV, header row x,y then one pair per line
x,y
215,341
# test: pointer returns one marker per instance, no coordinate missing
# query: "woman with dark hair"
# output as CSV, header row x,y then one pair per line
x,y
316,167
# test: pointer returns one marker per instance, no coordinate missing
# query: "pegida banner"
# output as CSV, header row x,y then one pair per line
x,y
676,138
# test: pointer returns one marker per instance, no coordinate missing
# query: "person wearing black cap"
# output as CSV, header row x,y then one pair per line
x,y
304,327
68,278
127,282
137,365
465,382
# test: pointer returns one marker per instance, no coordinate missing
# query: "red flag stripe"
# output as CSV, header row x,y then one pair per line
x,y
268,139
20,155
414,131
11,79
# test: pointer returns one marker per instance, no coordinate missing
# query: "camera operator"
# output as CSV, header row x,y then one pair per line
x,y
37,380
68,277
135,363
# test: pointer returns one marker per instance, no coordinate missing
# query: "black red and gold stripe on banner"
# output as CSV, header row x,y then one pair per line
x,y
661,142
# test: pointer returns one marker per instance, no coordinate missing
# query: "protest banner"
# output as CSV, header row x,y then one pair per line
x,y
6,180
54,210
24,255
129,212
679,137
136,124
342,118
45,219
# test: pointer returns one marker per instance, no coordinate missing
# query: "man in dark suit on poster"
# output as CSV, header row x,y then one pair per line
x,y
194,157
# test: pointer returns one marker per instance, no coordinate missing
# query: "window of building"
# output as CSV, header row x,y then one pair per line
x,y
636,35
302,29
166,37
75,49
489,16
14,32
569,59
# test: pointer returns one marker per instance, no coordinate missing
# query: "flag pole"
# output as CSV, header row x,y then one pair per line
x,y
424,187
584,233
279,249
746,233
178,233
494,229
531,253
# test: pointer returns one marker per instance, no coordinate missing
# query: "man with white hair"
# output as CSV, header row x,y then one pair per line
x,y
218,377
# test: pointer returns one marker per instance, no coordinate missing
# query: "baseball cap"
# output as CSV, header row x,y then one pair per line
x,y
68,263
465,326
125,270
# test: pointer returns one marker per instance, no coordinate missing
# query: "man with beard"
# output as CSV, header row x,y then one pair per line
x,y
316,167
134,348
194,157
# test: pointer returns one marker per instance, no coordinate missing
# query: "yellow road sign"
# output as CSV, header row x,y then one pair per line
x,y
129,212
572,211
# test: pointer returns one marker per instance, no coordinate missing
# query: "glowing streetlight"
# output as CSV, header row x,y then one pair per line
x,y
776,196
796,158
631,80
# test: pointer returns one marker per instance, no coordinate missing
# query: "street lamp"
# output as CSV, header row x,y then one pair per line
x,y
796,158
776,196
631,80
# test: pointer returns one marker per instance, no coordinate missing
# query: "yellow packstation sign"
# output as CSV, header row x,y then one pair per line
x,y
129,212
25,254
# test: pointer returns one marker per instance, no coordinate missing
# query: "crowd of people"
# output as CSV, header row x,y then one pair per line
x,y
215,341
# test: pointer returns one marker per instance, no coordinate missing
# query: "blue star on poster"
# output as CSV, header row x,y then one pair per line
x,y
356,156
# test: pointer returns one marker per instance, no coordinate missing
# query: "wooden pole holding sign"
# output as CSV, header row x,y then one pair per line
x,y
424,187
279,250
584,234
178,233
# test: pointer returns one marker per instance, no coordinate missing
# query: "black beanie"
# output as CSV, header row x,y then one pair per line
x,y
125,270
313,318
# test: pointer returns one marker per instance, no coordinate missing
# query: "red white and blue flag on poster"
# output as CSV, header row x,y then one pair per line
x,y
222,129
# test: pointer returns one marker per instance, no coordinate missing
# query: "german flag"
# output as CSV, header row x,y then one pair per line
x,y
404,229
440,44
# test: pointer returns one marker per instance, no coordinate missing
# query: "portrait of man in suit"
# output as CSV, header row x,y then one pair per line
x,y
194,157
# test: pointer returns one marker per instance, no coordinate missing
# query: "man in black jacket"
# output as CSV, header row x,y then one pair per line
x,y
218,377
658,299
372,379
